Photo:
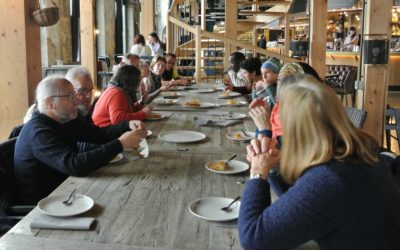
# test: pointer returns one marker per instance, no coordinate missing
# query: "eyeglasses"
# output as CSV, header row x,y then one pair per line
x,y
87,93
72,97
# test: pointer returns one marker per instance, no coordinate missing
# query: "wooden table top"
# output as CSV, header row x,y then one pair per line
x,y
143,204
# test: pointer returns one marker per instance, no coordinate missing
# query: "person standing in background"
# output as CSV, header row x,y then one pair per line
x,y
155,45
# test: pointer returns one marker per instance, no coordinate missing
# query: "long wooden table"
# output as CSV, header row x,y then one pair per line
x,y
143,204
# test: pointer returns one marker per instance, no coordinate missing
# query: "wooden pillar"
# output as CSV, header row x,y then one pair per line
x,y
20,67
147,17
318,20
198,53
378,20
88,37
203,14
231,8
105,16
287,33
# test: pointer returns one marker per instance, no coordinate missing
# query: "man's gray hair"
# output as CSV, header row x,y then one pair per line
x,y
74,72
46,88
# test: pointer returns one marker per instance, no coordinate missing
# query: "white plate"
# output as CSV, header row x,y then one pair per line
x,y
133,154
229,95
233,116
156,118
167,102
182,136
232,134
117,158
52,205
179,88
203,105
210,209
203,91
234,167
149,133
239,103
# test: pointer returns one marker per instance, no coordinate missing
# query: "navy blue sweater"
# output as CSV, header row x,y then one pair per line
x,y
340,206
47,152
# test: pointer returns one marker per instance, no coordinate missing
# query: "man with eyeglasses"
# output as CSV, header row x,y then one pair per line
x,y
47,151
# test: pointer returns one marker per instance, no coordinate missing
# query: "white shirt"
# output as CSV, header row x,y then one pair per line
x,y
237,79
141,50
156,49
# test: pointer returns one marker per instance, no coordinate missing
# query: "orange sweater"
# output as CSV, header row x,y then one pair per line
x,y
275,122
113,107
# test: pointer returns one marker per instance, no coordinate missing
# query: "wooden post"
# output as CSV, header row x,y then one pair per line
x,y
231,8
20,67
287,34
147,17
88,38
203,14
318,35
378,19
198,53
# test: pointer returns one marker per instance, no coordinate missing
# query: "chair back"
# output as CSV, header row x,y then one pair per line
x,y
356,116
118,58
7,180
106,60
349,81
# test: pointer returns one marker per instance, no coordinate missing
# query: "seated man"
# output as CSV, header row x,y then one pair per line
x,y
170,75
46,151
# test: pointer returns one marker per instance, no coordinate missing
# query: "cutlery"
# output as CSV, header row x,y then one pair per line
x,y
228,208
230,159
245,133
68,201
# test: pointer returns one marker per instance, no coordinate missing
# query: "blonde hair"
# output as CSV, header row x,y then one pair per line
x,y
316,129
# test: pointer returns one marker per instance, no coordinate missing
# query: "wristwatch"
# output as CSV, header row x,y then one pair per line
x,y
257,176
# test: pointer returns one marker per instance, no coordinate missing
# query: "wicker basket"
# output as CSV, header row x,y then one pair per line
x,y
46,16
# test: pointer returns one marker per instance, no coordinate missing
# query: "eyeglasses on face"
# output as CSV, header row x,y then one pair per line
x,y
87,93
71,97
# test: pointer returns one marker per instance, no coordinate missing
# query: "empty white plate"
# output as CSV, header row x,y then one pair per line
x,y
210,209
117,158
167,102
235,167
203,91
233,116
240,136
156,118
182,136
226,95
53,205
149,133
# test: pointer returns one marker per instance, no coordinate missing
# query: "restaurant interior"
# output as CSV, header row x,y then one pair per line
x,y
186,182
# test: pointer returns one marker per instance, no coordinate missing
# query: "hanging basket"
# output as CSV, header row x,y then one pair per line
x,y
46,16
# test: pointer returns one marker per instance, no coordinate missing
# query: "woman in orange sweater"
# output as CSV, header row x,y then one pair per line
x,y
119,102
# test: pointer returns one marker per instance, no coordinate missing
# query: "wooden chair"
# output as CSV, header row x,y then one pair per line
x,y
392,123
356,116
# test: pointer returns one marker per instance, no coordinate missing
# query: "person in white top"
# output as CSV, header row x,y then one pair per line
x,y
351,39
155,45
139,47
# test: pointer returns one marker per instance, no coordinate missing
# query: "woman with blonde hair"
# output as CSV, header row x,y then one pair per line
x,y
343,196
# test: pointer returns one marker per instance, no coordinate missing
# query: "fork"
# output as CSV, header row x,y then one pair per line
x,y
228,208
68,201
245,134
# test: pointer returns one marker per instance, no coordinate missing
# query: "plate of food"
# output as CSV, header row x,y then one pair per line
x,y
167,102
233,116
228,94
155,117
197,104
173,95
240,136
182,136
220,167
117,158
54,206
210,209
234,103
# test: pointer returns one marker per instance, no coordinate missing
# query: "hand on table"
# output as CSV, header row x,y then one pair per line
x,y
136,125
130,139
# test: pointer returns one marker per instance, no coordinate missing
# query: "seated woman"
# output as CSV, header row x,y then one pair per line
x,y
342,196
251,73
154,82
139,47
170,74
119,102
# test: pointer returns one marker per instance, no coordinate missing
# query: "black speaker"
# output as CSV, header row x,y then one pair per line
x,y
376,51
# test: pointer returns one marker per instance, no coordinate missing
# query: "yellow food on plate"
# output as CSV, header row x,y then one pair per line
x,y
153,115
175,93
193,103
231,102
237,135
225,93
218,166
169,102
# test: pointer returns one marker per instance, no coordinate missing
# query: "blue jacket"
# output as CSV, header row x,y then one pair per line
x,y
339,205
